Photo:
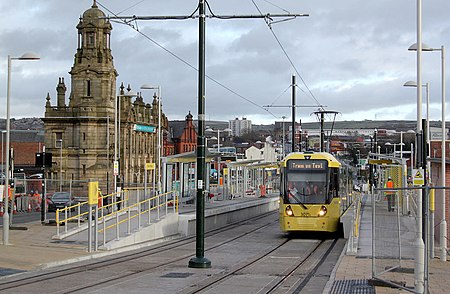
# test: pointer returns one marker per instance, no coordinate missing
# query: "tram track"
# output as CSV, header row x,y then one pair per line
x,y
297,274
32,278
292,280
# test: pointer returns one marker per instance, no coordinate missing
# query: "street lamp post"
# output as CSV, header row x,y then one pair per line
x,y
3,152
26,56
60,165
283,140
443,225
145,86
116,130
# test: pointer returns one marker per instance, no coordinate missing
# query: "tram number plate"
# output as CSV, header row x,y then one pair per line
x,y
305,214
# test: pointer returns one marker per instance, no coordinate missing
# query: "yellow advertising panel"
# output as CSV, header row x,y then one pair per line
x,y
150,166
93,193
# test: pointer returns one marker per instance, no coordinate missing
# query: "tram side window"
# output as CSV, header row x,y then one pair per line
x,y
334,183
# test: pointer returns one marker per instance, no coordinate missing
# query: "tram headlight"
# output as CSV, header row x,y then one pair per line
x,y
289,211
323,210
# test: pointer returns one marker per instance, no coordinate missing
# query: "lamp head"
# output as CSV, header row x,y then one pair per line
x,y
425,47
29,56
148,87
410,84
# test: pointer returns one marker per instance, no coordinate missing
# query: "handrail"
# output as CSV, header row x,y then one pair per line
x,y
126,209
112,217
81,215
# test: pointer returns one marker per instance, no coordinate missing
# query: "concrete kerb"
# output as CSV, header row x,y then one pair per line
x,y
105,253
220,216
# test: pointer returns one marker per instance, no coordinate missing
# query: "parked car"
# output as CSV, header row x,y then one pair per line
x,y
60,200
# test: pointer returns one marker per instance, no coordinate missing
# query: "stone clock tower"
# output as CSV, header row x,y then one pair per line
x,y
80,135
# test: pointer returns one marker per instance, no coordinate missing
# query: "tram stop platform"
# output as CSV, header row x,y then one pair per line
x,y
353,273
34,249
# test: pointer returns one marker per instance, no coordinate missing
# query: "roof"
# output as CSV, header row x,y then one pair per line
x,y
187,157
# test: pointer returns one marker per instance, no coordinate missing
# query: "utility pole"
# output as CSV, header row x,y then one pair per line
x,y
293,113
293,106
322,127
322,132
199,261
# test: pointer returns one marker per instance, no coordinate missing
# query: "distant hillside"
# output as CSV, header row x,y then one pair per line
x,y
398,125
28,123
35,123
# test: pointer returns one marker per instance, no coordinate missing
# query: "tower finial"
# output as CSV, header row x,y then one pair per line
x,y
94,5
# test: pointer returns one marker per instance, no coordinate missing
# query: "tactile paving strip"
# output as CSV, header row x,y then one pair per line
x,y
352,287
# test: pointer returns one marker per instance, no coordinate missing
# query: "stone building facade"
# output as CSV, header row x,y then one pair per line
x,y
80,134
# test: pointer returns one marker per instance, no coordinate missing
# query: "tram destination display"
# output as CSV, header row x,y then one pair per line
x,y
305,164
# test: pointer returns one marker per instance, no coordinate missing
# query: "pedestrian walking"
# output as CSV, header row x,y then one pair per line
x,y
390,194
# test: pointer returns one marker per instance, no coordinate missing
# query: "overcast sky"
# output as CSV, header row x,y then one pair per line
x,y
352,55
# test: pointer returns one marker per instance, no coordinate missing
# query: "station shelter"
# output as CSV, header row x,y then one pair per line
x,y
179,173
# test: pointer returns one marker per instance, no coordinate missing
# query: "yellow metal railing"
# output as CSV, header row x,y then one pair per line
x,y
114,210
153,203
81,216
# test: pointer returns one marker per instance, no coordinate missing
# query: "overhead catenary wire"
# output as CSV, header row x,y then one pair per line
x,y
288,57
281,8
128,22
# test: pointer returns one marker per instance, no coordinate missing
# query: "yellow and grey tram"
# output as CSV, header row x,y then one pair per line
x,y
310,198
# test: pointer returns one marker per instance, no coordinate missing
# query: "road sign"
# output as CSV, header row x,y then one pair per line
x,y
150,166
418,177
116,168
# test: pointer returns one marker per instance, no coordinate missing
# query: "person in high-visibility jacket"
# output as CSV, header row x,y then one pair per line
x,y
390,195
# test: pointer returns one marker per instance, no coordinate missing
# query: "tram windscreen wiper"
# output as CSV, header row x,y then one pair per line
x,y
298,200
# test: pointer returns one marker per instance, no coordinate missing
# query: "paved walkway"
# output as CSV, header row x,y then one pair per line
x,y
353,269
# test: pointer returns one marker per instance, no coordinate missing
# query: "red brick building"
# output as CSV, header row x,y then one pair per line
x,y
186,141
25,144
436,171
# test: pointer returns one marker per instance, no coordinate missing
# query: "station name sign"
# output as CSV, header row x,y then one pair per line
x,y
146,129
302,164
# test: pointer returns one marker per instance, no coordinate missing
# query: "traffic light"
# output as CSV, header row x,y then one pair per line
x,y
43,160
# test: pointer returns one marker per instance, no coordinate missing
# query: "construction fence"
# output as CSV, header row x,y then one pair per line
x,y
404,233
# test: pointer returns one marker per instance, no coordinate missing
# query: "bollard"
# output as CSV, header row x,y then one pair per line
x,y
138,210
104,228
149,210
158,204
117,225
65,216
129,221
419,265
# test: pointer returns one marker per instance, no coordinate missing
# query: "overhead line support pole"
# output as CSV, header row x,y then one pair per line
x,y
293,114
199,261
